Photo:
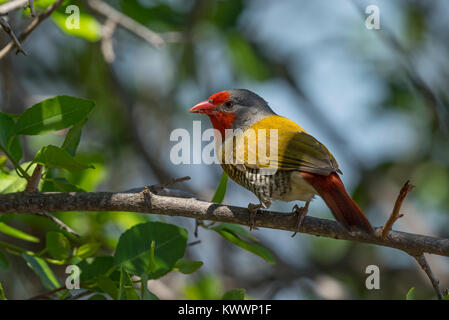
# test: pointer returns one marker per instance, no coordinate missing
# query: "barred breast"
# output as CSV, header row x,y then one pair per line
x,y
283,185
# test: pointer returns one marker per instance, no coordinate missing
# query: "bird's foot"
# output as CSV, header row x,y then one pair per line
x,y
301,213
252,214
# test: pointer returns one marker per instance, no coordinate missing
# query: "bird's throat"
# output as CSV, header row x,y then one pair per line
x,y
222,121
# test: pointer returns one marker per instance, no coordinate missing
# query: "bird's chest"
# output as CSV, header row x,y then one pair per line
x,y
282,185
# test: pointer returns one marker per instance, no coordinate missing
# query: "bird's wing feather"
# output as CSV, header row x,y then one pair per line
x,y
296,150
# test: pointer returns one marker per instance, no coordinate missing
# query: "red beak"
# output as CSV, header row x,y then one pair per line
x,y
203,107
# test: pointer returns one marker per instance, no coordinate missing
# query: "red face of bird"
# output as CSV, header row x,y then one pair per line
x,y
233,109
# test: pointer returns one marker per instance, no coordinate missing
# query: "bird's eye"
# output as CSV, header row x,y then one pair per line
x,y
228,104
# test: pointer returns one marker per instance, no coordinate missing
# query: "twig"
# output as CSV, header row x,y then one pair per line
x,y
126,22
31,6
157,189
80,295
33,25
197,225
47,295
22,202
5,25
194,243
433,279
11,6
107,47
395,215
60,224
33,183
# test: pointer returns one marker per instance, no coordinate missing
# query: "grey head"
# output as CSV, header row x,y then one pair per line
x,y
248,107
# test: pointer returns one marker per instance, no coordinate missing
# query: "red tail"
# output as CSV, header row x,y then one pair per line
x,y
333,192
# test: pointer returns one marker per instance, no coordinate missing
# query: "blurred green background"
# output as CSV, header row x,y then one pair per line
x,y
378,99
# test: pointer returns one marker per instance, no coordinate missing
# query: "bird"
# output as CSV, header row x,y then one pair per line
x,y
299,168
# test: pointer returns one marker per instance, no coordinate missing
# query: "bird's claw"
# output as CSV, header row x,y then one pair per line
x,y
301,213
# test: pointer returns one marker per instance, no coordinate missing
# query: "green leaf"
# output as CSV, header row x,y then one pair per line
x,y
11,183
236,229
43,271
152,262
410,294
52,156
130,291
446,297
249,246
88,179
221,189
91,268
2,293
188,266
53,114
13,116
131,294
73,137
89,28
59,184
87,250
6,217
8,142
4,263
134,247
205,287
13,232
146,294
235,294
58,245
121,291
108,286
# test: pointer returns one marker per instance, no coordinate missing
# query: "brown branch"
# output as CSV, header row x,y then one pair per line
x,y
107,40
433,279
11,6
33,25
5,25
31,6
395,215
413,244
31,186
126,22
33,183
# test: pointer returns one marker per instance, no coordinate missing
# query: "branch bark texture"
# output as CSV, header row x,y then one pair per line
x,y
148,202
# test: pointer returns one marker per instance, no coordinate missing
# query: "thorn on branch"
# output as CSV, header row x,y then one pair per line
x,y
395,215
